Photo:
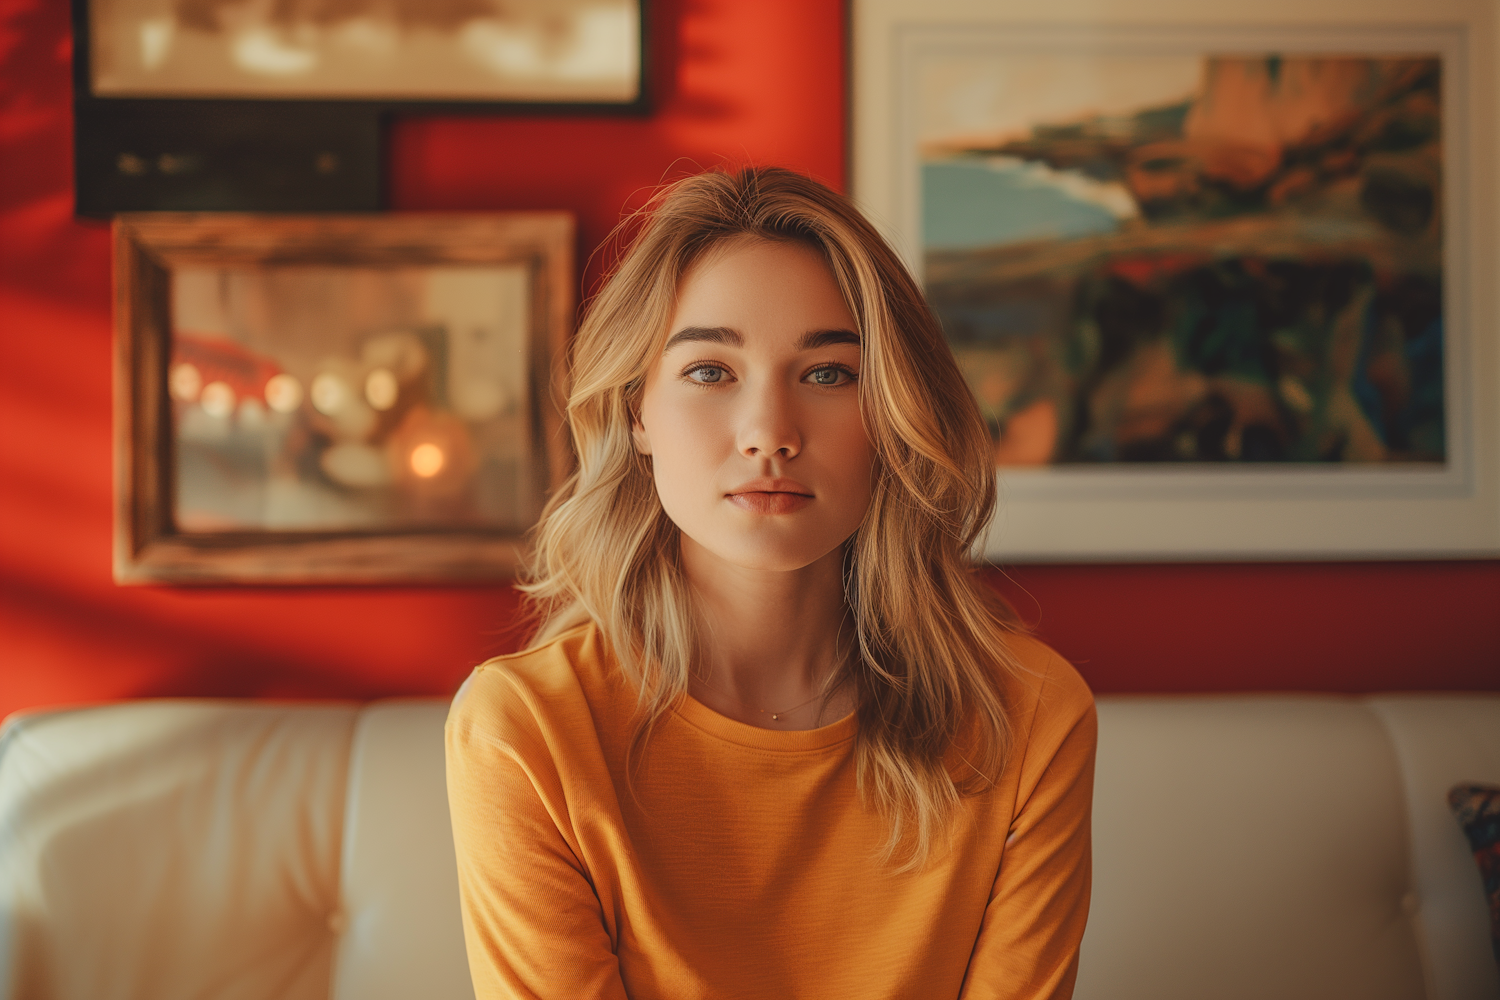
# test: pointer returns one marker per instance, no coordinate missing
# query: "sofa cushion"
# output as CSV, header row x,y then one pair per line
x,y
165,850
403,935
1247,847
1441,740
1244,847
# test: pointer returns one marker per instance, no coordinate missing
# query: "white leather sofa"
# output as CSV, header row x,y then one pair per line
x,y
1255,847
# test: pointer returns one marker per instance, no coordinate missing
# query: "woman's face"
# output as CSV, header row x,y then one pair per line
x,y
751,414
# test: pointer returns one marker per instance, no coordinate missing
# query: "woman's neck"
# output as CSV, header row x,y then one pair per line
x,y
771,639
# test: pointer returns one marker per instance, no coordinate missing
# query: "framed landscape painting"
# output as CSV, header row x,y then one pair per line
x,y
1222,286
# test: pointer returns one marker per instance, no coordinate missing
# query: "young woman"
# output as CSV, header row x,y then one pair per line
x,y
772,739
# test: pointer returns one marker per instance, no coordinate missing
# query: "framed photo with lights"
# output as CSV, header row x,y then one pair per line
x,y
336,399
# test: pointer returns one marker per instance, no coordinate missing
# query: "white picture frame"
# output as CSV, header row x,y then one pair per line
x,y
1194,511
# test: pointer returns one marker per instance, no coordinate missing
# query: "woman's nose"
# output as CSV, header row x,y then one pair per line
x,y
769,426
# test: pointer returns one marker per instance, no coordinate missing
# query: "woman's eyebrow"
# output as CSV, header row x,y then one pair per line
x,y
705,334
814,339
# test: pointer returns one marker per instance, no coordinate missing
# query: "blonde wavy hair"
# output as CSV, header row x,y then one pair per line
x,y
932,639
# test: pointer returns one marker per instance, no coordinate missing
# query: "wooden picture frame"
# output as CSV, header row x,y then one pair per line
x,y
1160,509
159,257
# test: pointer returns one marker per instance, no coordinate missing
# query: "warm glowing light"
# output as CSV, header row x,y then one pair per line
x,y
185,382
427,460
330,394
156,40
259,50
381,389
283,393
599,46
597,52
217,399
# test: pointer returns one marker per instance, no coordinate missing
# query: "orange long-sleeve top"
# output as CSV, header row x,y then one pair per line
x,y
739,862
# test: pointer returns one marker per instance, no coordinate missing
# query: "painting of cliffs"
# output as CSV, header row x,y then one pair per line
x,y
1172,258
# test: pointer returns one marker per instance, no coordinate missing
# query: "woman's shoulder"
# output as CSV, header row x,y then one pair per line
x,y
511,697
1045,691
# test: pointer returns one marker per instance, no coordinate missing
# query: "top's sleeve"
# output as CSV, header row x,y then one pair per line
x,y
533,927
1028,943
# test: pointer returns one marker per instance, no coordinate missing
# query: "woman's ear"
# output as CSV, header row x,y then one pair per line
x,y
638,434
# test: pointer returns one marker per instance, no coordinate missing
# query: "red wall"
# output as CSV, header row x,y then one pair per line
x,y
736,82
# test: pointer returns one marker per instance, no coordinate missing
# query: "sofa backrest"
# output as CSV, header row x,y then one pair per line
x,y
402,937
172,850
1244,847
1262,846
1439,742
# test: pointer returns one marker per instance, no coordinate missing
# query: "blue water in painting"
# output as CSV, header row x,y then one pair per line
x,y
978,203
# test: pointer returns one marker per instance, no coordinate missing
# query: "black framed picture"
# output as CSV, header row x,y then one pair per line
x,y
254,106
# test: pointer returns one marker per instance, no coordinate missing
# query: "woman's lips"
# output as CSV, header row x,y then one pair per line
x,y
769,503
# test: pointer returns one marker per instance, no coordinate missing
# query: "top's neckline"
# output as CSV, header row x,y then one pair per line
x,y
743,734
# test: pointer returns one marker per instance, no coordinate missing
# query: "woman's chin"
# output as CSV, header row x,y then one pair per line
x,y
766,555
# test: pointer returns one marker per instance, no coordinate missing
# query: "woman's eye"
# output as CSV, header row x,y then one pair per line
x,y
707,374
829,376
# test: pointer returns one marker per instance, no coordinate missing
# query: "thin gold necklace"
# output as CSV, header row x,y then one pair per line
x,y
775,716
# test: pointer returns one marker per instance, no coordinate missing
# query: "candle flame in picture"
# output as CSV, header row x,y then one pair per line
x,y
283,393
427,460
185,381
217,400
329,394
381,389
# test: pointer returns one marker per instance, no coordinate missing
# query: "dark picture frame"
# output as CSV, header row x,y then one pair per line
x,y
151,544
190,152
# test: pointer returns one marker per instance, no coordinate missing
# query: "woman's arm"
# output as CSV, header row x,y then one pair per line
x,y
532,924
1028,944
